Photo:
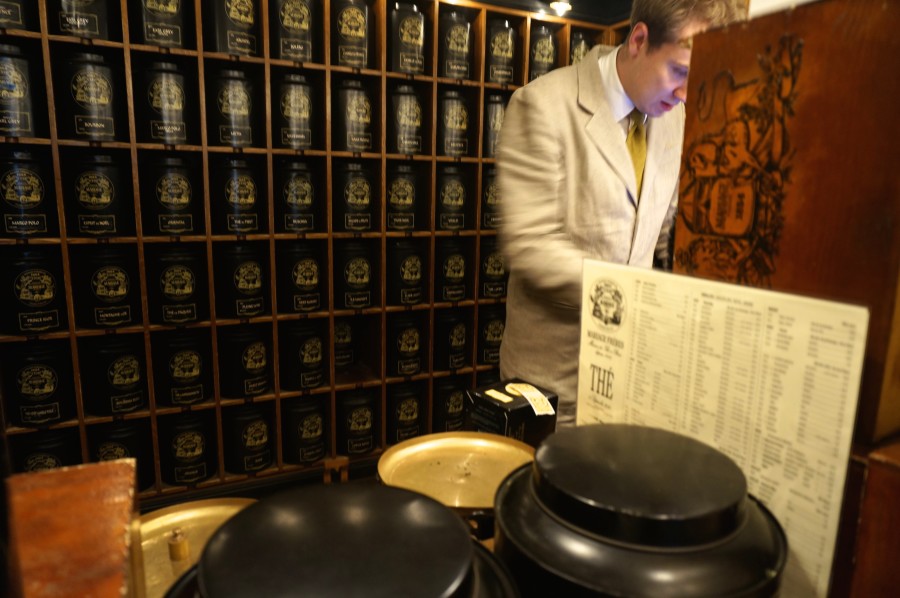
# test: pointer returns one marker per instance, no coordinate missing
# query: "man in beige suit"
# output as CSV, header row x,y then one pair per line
x,y
571,190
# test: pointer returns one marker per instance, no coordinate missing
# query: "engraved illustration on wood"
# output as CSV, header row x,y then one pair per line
x,y
733,181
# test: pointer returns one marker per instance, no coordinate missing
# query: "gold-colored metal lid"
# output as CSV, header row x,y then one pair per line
x,y
173,538
459,469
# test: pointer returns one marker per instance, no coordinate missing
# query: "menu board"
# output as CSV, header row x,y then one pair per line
x,y
770,379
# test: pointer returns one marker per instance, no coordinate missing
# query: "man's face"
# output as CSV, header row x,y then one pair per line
x,y
662,73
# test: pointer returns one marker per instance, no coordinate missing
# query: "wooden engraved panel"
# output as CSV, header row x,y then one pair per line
x,y
790,174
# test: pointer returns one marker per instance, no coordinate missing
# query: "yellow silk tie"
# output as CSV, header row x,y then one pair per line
x,y
637,145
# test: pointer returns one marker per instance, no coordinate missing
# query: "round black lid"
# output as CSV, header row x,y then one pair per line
x,y
646,486
343,540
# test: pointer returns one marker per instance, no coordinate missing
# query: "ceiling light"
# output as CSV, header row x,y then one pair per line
x,y
561,8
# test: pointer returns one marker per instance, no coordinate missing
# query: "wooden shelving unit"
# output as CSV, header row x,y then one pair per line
x,y
373,325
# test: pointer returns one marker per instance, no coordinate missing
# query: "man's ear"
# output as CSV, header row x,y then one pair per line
x,y
638,39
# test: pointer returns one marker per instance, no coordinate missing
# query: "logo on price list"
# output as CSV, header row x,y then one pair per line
x,y
608,302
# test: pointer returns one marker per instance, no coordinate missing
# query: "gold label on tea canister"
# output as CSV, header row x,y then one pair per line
x,y
455,403
408,340
163,7
94,190
408,411
13,83
240,12
453,194
295,104
411,31
411,270
41,462
165,95
35,287
311,353
22,189
253,358
455,268
91,89
185,366
360,419
305,274
501,45
352,24
37,382
187,446
174,191
255,434
233,100
109,451
310,427
357,272
457,117
359,110
124,372
493,332
458,336
177,283
11,14
402,194
294,16
298,191
247,278
458,39
409,112
543,51
493,265
110,284
357,193
240,191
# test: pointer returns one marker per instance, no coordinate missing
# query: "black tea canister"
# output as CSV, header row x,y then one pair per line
x,y
501,52
354,276
241,280
350,33
304,425
113,374
294,26
127,439
454,45
233,27
490,200
453,124
402,201
81,18
171,196
244,362
187,448
38,382
493,275
300,277
494,110
182,372
451,340
358,421
294,109
161,117
160,22
99,202
16,114
86,98
28,205
405,135
491,323
247,437
405,408
229,109
353,118
303,355
406,344
407,39
297,206
33,290
44,450
450,276
579,47
407,273
451,199
354,198
344,354
237,201
106,285
177,283
542,57
449,403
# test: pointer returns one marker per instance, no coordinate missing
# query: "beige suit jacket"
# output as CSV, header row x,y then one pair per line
x,y
567,189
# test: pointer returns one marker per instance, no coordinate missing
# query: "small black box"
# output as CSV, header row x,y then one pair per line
x,y
512,408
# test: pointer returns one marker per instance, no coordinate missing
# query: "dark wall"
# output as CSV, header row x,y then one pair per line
x,y
605,12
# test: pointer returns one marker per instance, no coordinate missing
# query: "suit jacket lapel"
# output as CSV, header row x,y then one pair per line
x,y
602,129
